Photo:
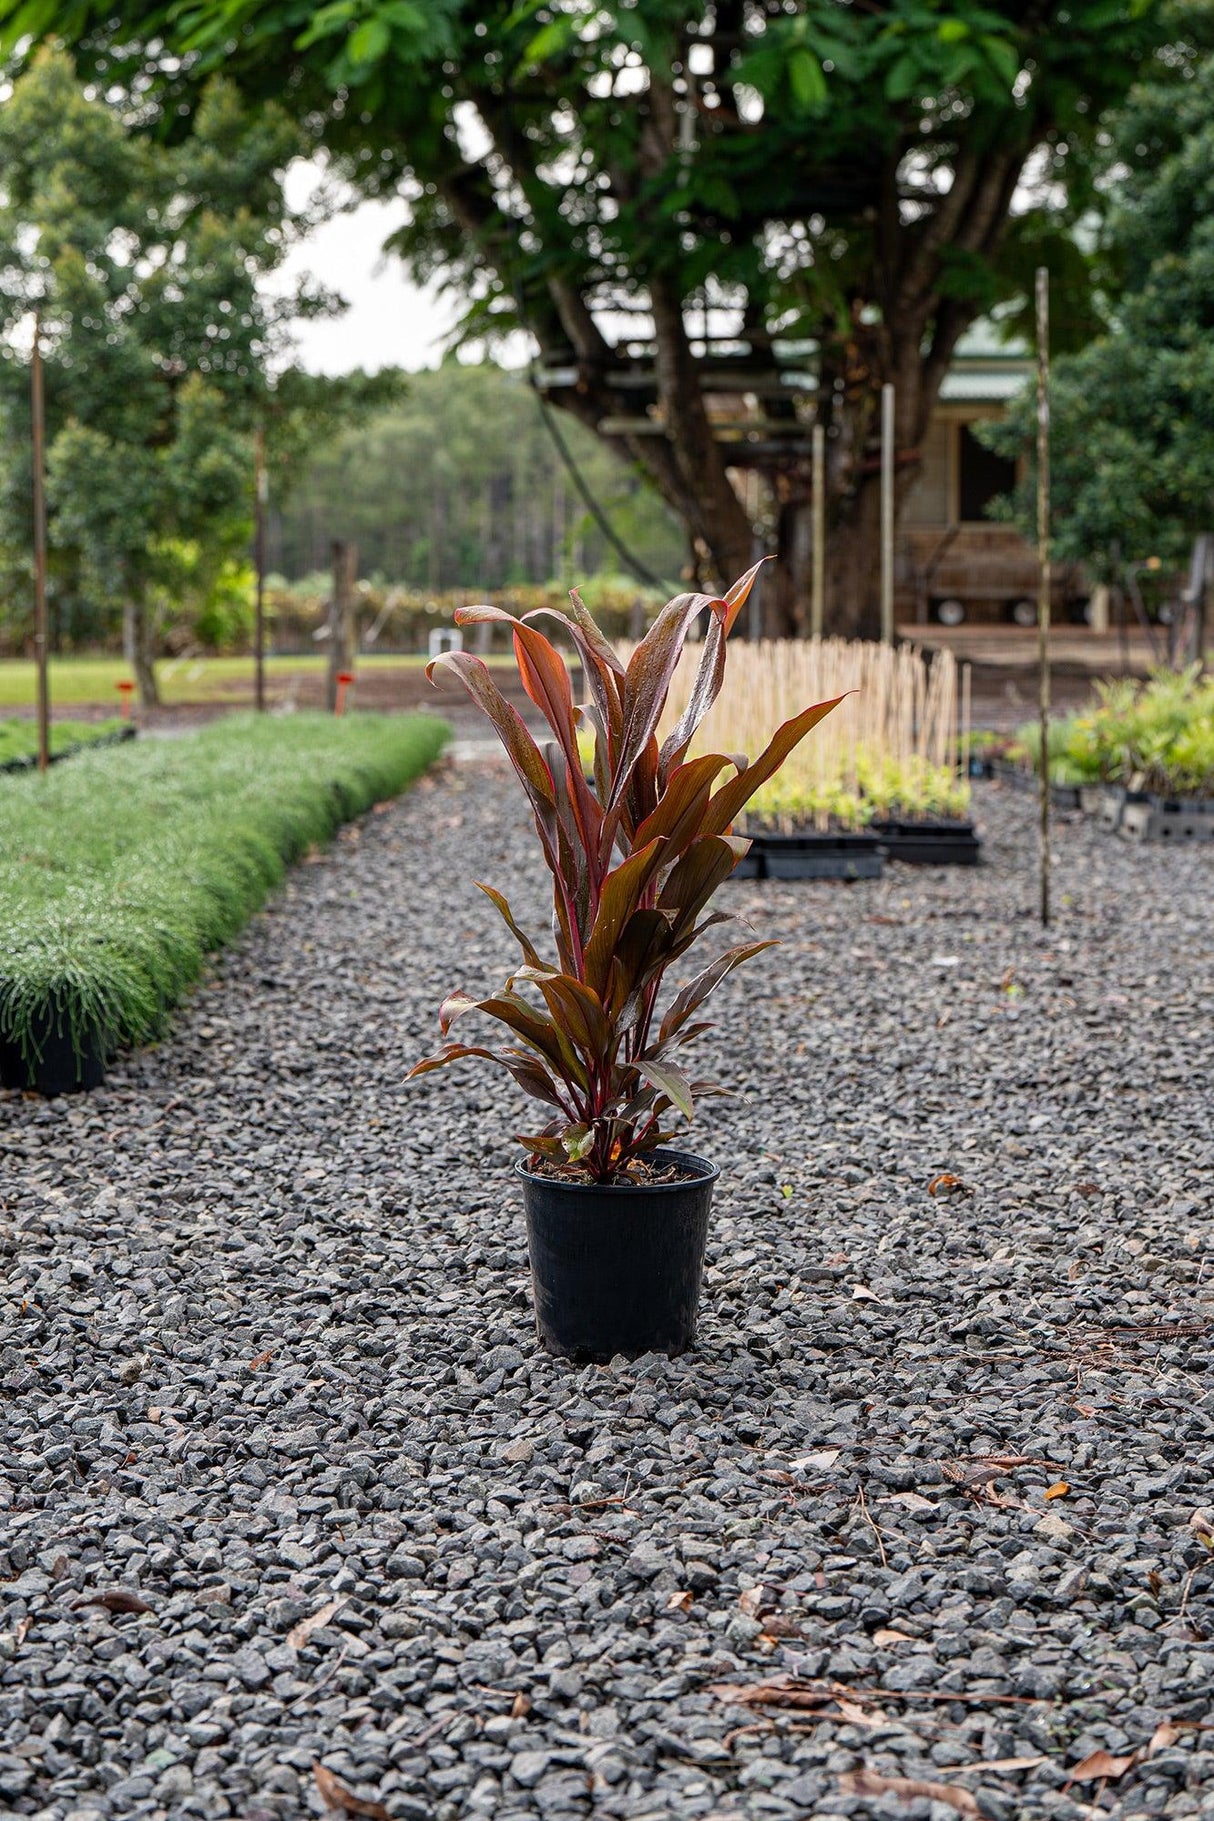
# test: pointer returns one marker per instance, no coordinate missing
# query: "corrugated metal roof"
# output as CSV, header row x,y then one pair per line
x,y
972,384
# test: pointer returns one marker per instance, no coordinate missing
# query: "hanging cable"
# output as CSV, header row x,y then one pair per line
x,y
597,512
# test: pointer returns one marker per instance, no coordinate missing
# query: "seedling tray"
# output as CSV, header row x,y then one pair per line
x,y
946,843
816,856
1167,819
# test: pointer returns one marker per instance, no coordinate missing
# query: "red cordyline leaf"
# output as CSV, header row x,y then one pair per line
x,y
634,864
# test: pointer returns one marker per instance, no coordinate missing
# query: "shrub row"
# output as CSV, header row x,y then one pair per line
x,y
19,739
121,871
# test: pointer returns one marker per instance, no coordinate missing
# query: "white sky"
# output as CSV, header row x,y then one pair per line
x,y
390,322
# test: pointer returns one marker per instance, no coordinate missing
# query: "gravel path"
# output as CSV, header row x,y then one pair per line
x,y
268,1364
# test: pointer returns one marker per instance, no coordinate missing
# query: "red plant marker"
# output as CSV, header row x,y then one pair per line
x,y
344,680
126,690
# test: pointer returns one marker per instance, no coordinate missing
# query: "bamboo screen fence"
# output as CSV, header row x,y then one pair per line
x,y
891,744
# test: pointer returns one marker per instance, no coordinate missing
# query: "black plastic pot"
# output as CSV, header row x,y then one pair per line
x,y
617,1269
814,856
58,1065
945,843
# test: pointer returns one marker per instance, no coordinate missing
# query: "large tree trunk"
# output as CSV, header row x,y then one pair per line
x,y
853,567
712,510
138,649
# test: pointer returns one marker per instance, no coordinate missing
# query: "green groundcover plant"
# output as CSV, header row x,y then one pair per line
x,y
635,856
19,739
1156,736
121,871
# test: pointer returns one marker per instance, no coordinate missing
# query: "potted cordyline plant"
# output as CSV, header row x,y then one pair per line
x,y
616,1221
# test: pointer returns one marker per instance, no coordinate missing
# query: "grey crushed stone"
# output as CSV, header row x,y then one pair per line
x,y
267,1361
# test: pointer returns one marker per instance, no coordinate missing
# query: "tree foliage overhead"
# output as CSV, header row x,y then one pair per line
x,y
834,173
1132,414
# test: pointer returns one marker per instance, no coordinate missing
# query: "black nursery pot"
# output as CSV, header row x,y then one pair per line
x,y
58,1067
617,1268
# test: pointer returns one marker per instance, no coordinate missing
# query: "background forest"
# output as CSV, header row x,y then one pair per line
x,y
460,485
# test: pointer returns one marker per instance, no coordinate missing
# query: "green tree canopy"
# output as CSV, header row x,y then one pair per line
x,y
658,191
1132,414
141,266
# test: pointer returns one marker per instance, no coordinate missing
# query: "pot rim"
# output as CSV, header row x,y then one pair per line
x,y
708,1173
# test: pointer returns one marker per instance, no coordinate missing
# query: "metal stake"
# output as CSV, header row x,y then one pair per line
x,y
38,426
817,609
1043,564
887,514
260,493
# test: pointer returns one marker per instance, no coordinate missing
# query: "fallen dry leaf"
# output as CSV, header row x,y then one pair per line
x,y
913,1501
299,1634
871,1783
946,1184
1003,1763
777,1625
859,1716
520,1707
751,1601
1202,1524
885,1635
1088,1189
860,1293
334,1794
114,1599
1058,1490
680,1601
154,1413
1102,1767
21,1629
1165,1734
820,1462
261,1359
785,1691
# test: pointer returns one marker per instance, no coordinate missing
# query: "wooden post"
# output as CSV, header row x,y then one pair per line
x,y
1043,580
341,617
887,514
967,673
38,428
260,490
817,611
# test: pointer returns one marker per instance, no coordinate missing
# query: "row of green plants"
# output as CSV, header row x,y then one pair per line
x,y
876,787
121,871
19,739
1156,736
886,789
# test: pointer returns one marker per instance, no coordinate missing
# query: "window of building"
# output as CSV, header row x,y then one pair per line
x,y
981,476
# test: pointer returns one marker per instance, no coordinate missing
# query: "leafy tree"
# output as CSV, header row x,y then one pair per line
x,y
1132,414
141,265
838,174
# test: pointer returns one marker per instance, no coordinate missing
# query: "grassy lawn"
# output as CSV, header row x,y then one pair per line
x,y
121,870
90,681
